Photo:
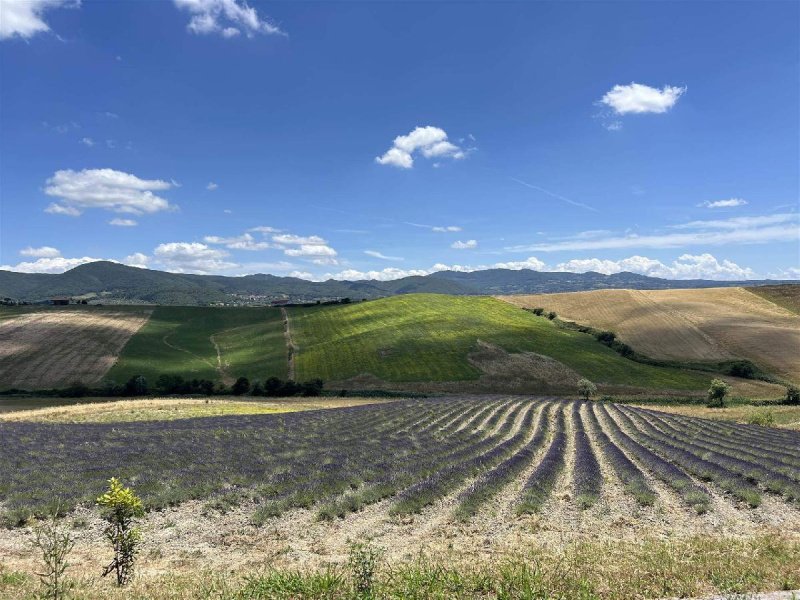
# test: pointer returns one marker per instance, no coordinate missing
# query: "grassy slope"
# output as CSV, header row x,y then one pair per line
x,y
423,337
786,296
250,339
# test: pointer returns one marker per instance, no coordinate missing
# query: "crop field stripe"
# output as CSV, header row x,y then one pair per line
x,y
729,481
771,479
675,477
493,481
633,480
541,482
586,476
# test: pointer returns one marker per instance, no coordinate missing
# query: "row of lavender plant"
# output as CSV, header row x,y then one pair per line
x,y
543,479
692,494
489,484
677,452
632,478
752,470
586,475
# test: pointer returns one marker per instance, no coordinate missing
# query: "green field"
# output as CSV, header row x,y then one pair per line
x,y
180,340
428,337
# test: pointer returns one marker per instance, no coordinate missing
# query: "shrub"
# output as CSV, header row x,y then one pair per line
x,y
606,337
75,390
586,388
792,395
764,418
121,507
312,388
363,561
538,311
54,545
242,386
717,393
136,386
743,369
258,389
551,315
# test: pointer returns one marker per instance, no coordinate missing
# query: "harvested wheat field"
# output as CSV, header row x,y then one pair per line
x,y
54,347
704,324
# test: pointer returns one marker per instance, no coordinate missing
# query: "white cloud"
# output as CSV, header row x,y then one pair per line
x,y
687,266
264,229
288,238
123,222
87,141
41,252
212,186
446,229
241,242
137,259
531,263
25,18
459,245
315,250
301,275
105,188
790,273
57,264
723,203
60,209
739,230
227,18
637,98
377,254
191,257
431,141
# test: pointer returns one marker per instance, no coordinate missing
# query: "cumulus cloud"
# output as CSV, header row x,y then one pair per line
x,y
686,266
459,245
637,98
240,242
57,264
790,273
137,259
313,248
191,257
377,254
41,252
211,186
738,230
228,18
429,141
123,222
25,18
723,203
107,189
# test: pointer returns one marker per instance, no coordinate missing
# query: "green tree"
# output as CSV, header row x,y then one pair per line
x,y
54,544
792,395
586,389
121,507
242,386
717,393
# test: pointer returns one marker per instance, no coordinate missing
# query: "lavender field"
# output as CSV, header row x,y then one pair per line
x,y
410,453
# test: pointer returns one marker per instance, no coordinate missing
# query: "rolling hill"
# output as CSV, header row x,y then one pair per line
x,y
116,283
703,325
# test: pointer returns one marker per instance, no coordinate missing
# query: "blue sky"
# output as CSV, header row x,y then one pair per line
x,y
355,140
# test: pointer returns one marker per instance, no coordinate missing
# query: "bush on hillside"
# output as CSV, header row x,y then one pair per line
x,y
792,396
586,389
717,393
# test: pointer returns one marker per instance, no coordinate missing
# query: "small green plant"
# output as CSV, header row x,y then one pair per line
x,y
54,545
363,561
121,507
765,418
586,389
717,393
792,396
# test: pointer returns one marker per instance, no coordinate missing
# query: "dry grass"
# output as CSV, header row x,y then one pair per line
x,y
167,409
53,348
787,417
702,324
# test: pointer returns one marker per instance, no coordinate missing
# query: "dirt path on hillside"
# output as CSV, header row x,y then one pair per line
x,y
291,349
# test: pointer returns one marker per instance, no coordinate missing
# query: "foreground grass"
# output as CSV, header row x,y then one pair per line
x,y
787,417
168,409
181,340
428,337
588,571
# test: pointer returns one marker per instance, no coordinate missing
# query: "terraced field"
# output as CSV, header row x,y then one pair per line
x,y
438,338
703,324
213,343
413,454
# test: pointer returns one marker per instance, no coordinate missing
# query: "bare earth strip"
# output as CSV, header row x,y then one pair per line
x,y
702,324
55,348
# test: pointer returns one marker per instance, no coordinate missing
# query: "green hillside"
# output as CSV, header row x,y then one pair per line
x,y
181,341
427,337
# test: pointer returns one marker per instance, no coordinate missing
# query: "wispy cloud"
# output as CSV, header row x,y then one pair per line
x,y
228,18
732,202
376,254
554,195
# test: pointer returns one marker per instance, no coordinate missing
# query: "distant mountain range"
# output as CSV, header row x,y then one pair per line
x,y
115,283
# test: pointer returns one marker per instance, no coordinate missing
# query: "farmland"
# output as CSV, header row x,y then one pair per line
x,y
704,325
218,344
54,347
468,477
435,338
